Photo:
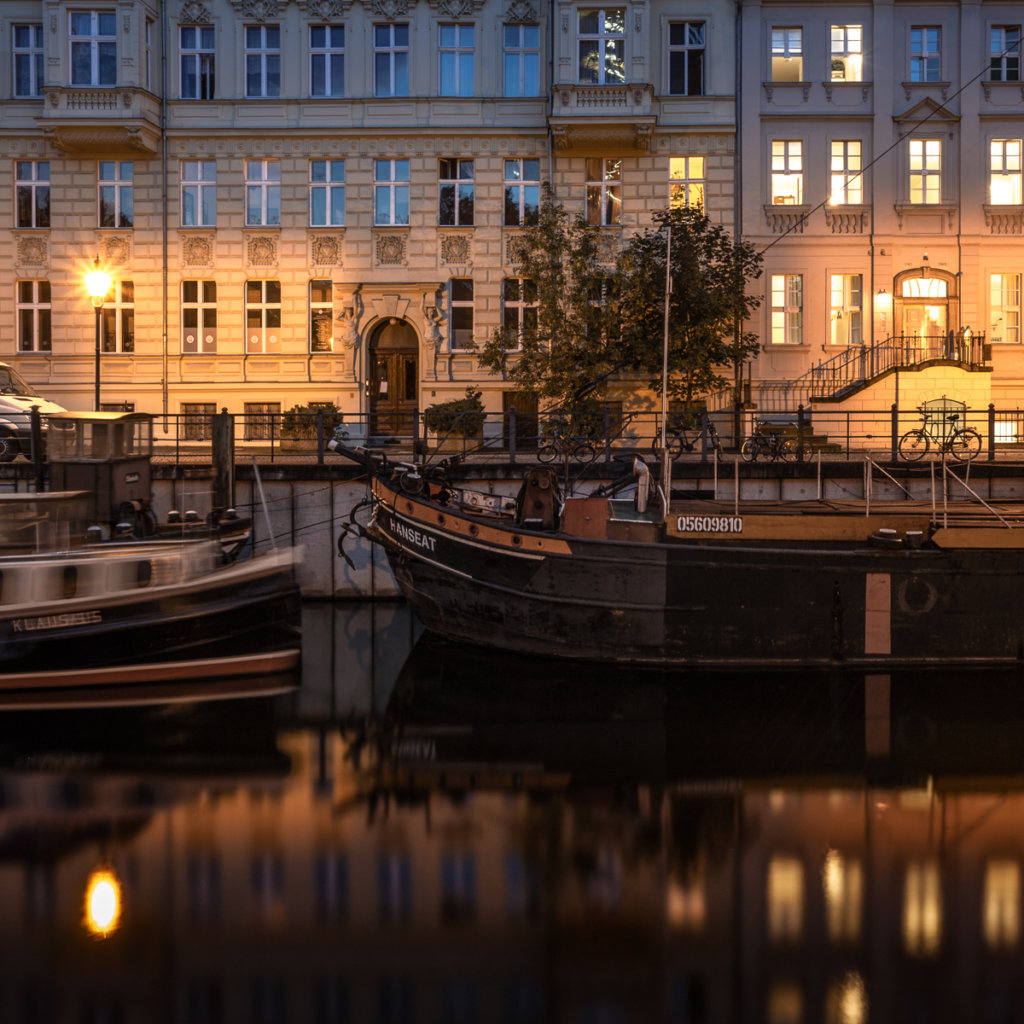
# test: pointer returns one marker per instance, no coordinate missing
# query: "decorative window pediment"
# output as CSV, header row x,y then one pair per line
x,y
324,10
258,10
390,9
456,9
520,12
195,13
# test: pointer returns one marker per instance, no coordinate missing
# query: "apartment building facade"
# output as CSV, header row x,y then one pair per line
x,y
316,201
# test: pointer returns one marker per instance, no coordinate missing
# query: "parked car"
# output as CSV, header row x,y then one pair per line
x,y
17,397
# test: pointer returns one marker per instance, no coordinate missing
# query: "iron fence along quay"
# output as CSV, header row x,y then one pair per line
x,y
508,437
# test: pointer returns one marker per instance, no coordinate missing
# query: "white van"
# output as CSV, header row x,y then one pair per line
x,y
16,400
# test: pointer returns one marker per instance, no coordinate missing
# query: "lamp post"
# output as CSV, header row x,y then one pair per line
x,y
97,284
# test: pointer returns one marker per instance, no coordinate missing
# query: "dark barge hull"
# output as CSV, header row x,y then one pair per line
x,y
688,603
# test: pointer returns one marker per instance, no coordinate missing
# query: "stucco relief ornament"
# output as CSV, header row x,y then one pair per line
x,y
258,10
390,8
324,9
520,12
32,251
262,251
194,13
457,8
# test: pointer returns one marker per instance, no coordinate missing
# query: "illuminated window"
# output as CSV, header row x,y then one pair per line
x,y
687,904
925,58
686,181
787,172
1004,309
846,183
602,46
925,170
787,309
117,318
321,316
686,58
846,296
1004,172
1001,904
34,333
787,54
842,880
198,316
847,56
846,1000
1004,53
604,191
922,908
785,898
262,316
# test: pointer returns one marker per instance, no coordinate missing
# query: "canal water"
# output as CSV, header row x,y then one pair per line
x,y
414,832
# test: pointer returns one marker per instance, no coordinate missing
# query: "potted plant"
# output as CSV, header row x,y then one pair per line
x,y
459,418
298,425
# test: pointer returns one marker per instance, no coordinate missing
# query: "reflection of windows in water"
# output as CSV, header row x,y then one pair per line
x,y
197,420
260,418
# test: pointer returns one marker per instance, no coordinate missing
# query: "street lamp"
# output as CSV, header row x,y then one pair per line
x,y
97,284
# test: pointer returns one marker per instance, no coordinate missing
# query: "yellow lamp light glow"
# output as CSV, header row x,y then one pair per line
x,y
97,283
102,903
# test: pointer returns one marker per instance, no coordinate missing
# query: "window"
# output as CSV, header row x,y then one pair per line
x,y
846,183
604,191
602,46
522,192
197,425
456,50
787,309
260,420
1005,172
28,60
326,193
391,192
922,908
1004,53
925,170
262,316
391,60
925,63
455,192
686,181
262,193
149,54
787,54
262,60
117,197
785,895
117,318
326,60
460,296
321,316
198,193
32,193
1001,904
1004,309
787,172
34,316
847,57
845,309
522,60
198,316
196,45
93,43
686,58
518,310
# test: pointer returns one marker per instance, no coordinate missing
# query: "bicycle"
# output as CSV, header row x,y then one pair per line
x,y
768,444
561,447
963,443
679,439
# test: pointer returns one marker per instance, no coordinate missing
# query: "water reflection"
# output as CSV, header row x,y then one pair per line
x,y
424,833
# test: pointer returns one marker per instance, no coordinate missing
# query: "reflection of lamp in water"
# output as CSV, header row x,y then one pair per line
x,y
102,902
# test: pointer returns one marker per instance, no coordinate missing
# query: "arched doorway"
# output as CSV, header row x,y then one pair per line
x,y
927,307
394,376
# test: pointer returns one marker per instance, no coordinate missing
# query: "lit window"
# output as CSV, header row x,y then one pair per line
x,y
28,60
847,53
117,318
460,299
518,310
116,194
1004,53
32,193
845,313
1004,309
522,192
846,182
604,191
925,62
787,55
391,60
326,193
262,316
787,311
262,193
842,880
522,59
391,192
1005,172
787,172
922,908
785,898
34,321
198,193
686,181
326,60
1001,904
455,192
197,61
321,316
925,170
198,316
602,46
846,1000
455,44
686,58
785,1004
93,47
262,60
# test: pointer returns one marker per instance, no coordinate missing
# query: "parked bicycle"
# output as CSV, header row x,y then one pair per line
x,y
579,449
679,439
944,434
768,443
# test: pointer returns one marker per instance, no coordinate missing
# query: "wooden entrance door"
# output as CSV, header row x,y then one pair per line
x,y
394,379
526,419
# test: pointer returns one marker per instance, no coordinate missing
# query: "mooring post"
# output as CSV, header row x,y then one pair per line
x,y
223,459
